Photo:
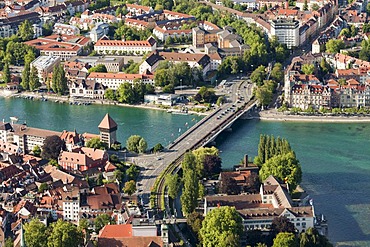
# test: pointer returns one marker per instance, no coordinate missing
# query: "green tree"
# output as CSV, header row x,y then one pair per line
x,y
334,45
52,147
26,77
259,75
285,239
285,167
308,68
125,93
305,5
130,187
118,175
34,81
158,148
9,242
35,234
110,94
325,67
190,193
6,73
25,31
315,7
173,185
36,151
277,73
96,143
143,145
264,95
312,238
200,155
98,68
43,187
282,224
59,80
64,234
101,221
132,172
136,143
99,179
194,220
219,225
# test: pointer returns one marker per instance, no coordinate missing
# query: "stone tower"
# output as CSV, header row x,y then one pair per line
x,y
108,129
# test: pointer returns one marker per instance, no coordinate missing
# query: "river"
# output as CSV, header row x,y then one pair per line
x,y
334,157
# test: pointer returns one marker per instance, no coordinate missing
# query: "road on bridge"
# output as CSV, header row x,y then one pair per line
x,y
152,165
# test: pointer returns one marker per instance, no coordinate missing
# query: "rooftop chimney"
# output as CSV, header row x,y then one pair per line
x,y
245,163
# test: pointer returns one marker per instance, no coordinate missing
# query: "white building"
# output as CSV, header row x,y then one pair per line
x,y
24,137
87,89
105,46
100,30
45,65
60,28
114,80
287,31
259,210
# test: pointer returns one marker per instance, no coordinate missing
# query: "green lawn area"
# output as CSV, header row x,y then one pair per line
x,y
2,84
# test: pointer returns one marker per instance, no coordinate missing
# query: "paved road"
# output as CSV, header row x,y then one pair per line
x,y
152,165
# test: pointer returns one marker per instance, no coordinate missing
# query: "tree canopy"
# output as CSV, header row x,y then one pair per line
x,y
221,227
96,143
173,185
59,80
63,234
130,187
35,234
334,45
98,68
312,238
286,239
137,144
101,221
308,69
53,145
285,167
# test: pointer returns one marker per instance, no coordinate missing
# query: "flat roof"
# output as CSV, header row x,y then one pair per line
x,y
45,61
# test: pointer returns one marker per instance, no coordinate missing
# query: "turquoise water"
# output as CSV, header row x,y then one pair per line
x,y
334,157
335,163
154,125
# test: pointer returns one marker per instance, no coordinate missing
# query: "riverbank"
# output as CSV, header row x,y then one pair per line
x,y
274,115
67,100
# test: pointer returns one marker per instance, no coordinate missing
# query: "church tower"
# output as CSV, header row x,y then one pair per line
x,y
108,129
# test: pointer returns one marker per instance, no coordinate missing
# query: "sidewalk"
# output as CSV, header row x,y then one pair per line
x,y
274,115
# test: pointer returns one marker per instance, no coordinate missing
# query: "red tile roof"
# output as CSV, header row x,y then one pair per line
x,y
116,231
107,123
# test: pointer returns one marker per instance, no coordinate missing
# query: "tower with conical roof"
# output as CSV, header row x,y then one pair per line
x,y
108,129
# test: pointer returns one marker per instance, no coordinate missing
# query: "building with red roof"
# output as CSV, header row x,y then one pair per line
x,y
134,47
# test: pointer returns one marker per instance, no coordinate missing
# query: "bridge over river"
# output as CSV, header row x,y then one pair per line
x,y
205,131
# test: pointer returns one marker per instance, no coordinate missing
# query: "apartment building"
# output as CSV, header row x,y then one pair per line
x,y
45,65
287,31
26,138
60,28
114,80
106,46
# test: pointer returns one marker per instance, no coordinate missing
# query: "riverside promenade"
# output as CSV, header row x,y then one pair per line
x,y
274,115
